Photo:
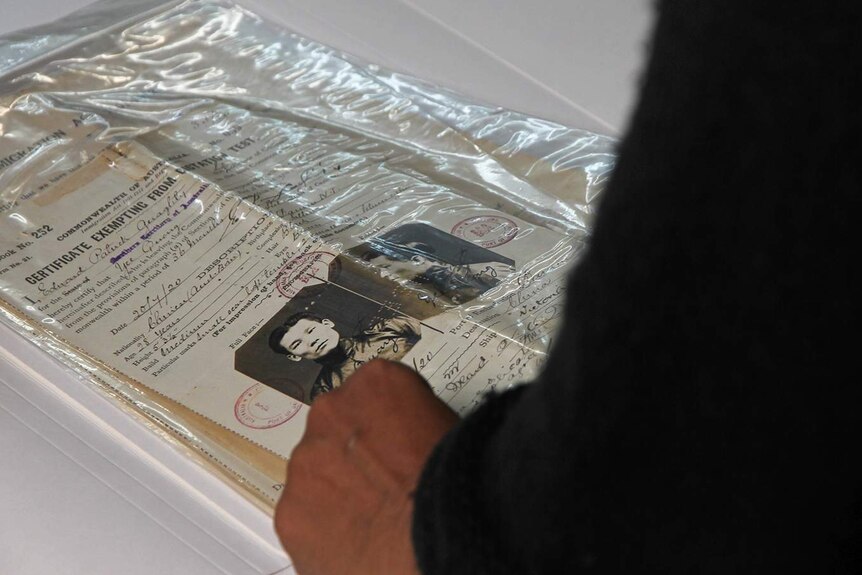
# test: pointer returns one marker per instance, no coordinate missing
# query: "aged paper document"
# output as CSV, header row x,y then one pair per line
x,y
219,249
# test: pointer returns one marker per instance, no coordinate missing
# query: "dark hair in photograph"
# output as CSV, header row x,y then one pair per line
x,y
278,333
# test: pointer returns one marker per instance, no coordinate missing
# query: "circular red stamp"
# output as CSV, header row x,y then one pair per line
x,y
486,231
261,407
303,271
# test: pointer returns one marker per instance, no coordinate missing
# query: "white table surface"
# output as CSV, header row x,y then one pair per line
x,y
83,487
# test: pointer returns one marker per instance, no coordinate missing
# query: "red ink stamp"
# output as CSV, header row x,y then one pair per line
x,y
303,271
486,231
261,407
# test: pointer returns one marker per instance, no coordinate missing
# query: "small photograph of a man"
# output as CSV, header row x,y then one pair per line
x,y
305,354
446,267
307,336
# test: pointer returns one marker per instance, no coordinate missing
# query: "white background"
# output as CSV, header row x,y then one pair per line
x,y
84,488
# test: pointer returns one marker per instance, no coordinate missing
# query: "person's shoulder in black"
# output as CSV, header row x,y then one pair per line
x,y
700,411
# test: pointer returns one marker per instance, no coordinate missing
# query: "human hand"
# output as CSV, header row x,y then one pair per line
x,y
347,505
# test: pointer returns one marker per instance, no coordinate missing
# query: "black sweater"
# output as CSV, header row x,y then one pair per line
x,y
700,411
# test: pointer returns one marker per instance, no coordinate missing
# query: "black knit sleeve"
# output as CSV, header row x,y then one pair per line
x,y
450,532
699,410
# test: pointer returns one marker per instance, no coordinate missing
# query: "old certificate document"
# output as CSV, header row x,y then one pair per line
x,y
218,221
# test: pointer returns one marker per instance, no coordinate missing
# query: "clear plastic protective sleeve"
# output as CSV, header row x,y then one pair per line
x,y
217,220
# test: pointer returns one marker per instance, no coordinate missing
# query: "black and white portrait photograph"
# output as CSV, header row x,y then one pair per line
x,y
442,266
321,337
